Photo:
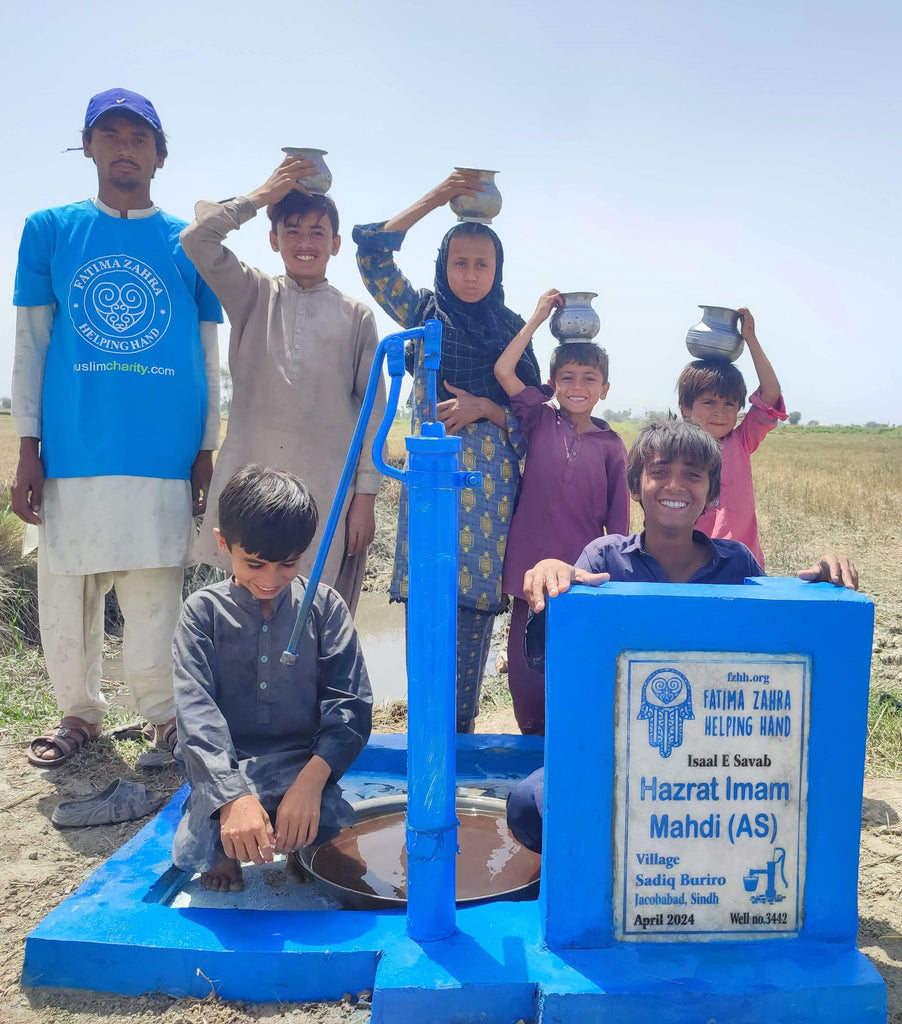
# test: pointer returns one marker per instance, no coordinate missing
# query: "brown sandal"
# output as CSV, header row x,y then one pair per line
x,y
67,739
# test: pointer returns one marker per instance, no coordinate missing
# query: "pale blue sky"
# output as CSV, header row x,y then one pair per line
x,y
660,154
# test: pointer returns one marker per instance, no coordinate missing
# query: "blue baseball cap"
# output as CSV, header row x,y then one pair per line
x,y
117,99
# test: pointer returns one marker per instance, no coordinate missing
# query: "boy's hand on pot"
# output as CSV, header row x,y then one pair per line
x,y
246,831
747,326
283,180
549,301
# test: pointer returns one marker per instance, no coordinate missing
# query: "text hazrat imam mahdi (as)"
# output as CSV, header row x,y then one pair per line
x,y
710,795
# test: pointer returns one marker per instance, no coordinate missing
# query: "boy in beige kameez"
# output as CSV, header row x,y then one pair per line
x,y
300,354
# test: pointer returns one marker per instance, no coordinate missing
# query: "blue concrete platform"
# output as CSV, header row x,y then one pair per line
x,y
510,975
117,933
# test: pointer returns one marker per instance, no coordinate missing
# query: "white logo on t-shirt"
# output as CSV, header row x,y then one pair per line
x,y
118,304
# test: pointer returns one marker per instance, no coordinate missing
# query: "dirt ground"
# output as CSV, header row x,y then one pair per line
x,y
40,865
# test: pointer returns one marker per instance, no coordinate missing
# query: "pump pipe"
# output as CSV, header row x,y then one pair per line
x,y
432,480
391,347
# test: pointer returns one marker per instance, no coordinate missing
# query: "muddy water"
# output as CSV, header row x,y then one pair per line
x,y
380,626
371,858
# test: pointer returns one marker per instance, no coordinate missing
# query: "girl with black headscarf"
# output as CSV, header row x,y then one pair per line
x,y
468,299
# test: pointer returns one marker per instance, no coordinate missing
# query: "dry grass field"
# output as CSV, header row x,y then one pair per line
x,y
9,448
816,489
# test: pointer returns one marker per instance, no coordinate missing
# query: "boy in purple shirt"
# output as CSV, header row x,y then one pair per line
x,y
673,471
573,488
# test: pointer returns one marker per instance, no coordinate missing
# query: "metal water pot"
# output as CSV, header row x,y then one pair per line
x,y
576,320
318,183
716,335
481,208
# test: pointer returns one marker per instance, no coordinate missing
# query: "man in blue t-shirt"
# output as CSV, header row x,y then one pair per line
x,y
116,404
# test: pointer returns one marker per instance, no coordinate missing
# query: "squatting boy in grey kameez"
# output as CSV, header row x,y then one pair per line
x,y
264,744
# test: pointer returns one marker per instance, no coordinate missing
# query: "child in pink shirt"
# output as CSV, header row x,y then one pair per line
x,y
711,392
573,488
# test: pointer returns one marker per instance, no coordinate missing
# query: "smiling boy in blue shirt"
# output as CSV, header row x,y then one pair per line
x,y
673,472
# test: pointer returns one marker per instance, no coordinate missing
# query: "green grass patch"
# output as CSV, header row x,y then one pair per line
x,y
884,430
18,587
495,694
27,702
884,747
26,697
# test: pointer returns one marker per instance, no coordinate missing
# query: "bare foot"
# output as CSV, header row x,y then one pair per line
x,y
224,876
295,870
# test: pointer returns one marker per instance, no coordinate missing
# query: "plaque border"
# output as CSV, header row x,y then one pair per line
x,y
623,684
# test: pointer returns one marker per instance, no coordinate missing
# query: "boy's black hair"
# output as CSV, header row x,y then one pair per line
x,y
159,137
583,353
270,513
716,375
669,440
296,204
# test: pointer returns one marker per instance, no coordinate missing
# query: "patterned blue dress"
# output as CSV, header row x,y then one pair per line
x,y
484,513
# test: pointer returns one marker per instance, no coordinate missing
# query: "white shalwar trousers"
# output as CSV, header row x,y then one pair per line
x,y
71,618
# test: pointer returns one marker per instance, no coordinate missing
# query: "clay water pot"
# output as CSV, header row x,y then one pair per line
x,y
716,335
481,208
576,320
318,183
365,866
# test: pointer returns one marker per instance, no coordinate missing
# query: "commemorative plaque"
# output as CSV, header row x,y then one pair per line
x,y
710,795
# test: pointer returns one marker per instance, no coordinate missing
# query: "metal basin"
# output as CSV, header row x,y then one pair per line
x,y
365,867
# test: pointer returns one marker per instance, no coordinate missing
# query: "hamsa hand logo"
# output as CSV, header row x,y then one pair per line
x,y
666,703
